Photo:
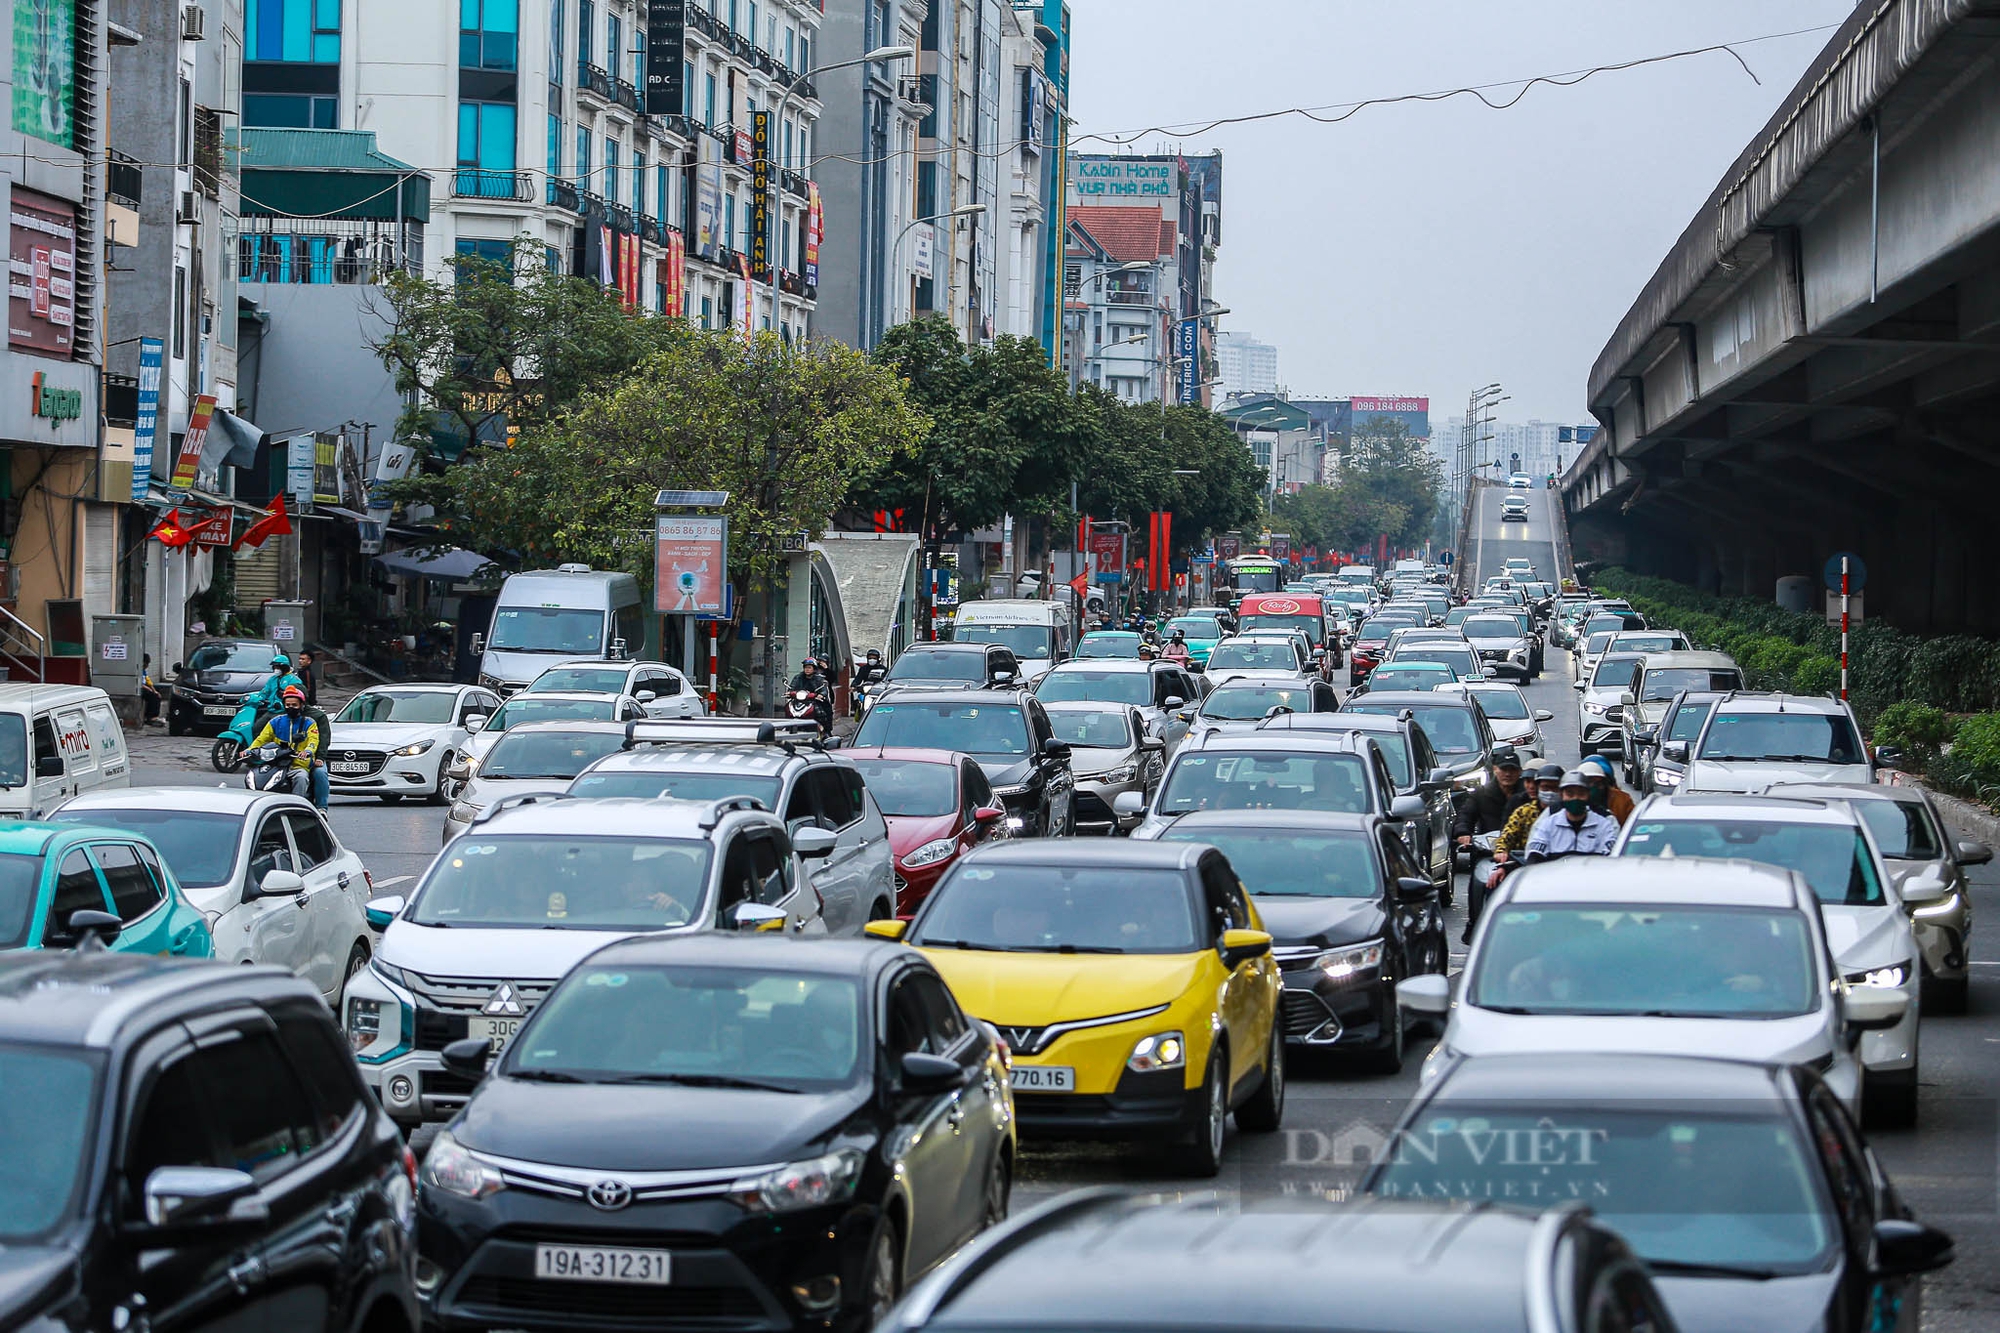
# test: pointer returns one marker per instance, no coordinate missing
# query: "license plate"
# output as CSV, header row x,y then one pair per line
x,y
348,766
218,710
497,1032
595,1263
1044,1078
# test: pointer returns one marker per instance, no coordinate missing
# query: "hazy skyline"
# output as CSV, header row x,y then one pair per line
x,y
1430,248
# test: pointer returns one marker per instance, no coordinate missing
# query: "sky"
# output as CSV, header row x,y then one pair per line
x,y
1431,248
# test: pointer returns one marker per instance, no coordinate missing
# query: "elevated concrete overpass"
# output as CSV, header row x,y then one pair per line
x,y
1815,366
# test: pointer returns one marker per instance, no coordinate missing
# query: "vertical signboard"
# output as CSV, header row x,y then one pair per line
x,y
666,48
691,553
749,303
301,462
923,241
676,262
1187,350
707,199
326,470
146,422
815,219
189,460
41,245
45,69
760,195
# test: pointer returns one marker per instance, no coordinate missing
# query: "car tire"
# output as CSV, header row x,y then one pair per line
x,y
1264,1113
1889,1100
175,727
1388,1057
999,1192
1201,1155
441,794
881,910
882,1282
357,960
1945,995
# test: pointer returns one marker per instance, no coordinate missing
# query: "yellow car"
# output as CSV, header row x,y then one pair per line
x,y
1132,981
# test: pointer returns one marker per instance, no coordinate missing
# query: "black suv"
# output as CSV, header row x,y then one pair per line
x,y
189,1146
209,688
952,666
1007,731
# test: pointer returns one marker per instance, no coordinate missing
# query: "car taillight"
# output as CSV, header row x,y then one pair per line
x,y
369,875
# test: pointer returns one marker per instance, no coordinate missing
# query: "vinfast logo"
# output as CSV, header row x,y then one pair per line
x,y
57,405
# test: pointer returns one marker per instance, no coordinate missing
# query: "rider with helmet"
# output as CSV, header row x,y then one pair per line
x,y
270,696
1605,795
296,732
1572,828
819,683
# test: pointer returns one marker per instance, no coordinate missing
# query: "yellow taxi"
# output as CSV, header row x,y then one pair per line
x,y
1132,981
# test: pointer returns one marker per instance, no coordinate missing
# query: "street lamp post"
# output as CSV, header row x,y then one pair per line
x,y
896,249
772,222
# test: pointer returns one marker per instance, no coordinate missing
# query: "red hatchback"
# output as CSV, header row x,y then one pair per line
x,y
938,806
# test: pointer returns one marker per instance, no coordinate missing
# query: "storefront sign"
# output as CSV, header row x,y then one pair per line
x,y
690,557
815,226
146,425
1187,347
53,403
45,69
1101,180
666,49
760,195
188,463
41,293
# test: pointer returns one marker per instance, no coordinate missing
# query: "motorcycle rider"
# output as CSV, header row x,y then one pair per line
x,y
1572,828
871,671
270,696
1606,797
1486,808
813,680
1176,650
1512,841
298,733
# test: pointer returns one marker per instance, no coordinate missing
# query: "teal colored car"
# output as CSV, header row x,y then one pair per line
x,y
48,872
1201,633
1109,643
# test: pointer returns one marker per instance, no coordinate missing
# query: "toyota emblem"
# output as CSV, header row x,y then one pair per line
x,y
610,1195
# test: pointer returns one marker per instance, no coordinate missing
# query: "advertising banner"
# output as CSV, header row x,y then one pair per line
x,y
146,424
707,200
815,223
676,279
1187,348
1106,180
923,241
1281,546
1109,548
760,195
41,244
666,48
45,69
301,463
326,470
189,460
1390,406
690,557
1228,546
749,301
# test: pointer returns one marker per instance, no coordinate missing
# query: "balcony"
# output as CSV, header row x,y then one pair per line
x,y
652,229
563,194
618,216
661,127
124,178
794,183
588,203
1128,298
791,284
625,94
512,186
702,21
595,79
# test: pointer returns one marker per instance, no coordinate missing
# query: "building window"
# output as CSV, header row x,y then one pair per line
x,y
638,180
791,48
707,313
489,252
611,169
664,175
614,33
660,297
180,312
583,181
555,146
291,111
708,99
586,29
552,259
299,31
751,30
728,218
488,33
485,150
557,12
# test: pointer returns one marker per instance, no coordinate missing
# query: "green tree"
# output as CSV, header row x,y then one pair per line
x,y
1399,474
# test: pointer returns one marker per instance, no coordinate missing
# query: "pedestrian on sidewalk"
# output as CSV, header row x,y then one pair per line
x,y
308,678
149,692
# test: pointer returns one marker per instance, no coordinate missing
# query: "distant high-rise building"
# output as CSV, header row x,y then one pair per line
x,y
1537,447
1245,364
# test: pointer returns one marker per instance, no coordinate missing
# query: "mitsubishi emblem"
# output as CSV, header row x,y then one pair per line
x,y
503,1002
610,1195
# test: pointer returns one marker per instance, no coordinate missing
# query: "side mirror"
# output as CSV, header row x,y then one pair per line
x,y
1240,946
49,766
477,721
833,743
381,911
178,668
988,814
477,643
1579,686
1922,892
280,884
1674,751
1873,1008
1544,715
1153,744
1973,853
85,924
1439,777
1627,698
1413,889
1185,715
924,1072
1905,1247
749,916
813,843
886,930
1426,994
1128,803
617,648
1002,677
1055,749
1645,735
467,1057
202,1198
645,696
1407,808
1889,756
1172,701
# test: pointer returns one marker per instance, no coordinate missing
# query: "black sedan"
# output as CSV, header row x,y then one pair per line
x,y
1350,914
1007,731
1746,1188
209,688
746,1132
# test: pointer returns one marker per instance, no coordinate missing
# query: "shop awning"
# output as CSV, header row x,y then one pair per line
x,y
292,173
456,564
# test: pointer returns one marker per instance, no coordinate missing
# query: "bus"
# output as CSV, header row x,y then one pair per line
x,y
1250,574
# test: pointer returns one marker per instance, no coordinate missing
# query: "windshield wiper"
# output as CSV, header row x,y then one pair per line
x,y
543,1076
959,944
1086,948
1683,1268
703,1081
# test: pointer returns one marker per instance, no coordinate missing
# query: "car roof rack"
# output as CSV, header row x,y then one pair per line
x,y
516,801
719,731
727,805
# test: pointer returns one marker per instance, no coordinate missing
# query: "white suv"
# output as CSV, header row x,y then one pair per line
x,y
1751,741
534,885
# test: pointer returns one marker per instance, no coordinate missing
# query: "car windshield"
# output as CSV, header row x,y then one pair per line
x,y
1491,627
1091,685
198,846
919,665
1803,738
1293,863
633,1024
547,755
701,784
1115,646
1221,780
1313,626
1650,643
233,657
547,629
1685,1185
1195,627
1093,728
910,787
1833,858
1253,657
1904,830
536,881
1595,643
1257,580
1029,643
13,750
1613,669
1664,683
1676,962
1506,705
1688,720
598,679
1243,703
432,707
1615,624
1410,676
971,728
522,708
1460,659
1022,908
20,882
1381,627
51,1100
1450,730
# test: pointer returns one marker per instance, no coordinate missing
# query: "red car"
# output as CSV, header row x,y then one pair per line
x,y
938,805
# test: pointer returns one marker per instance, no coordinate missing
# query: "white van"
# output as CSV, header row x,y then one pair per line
x,y
57,741
544,616
1040,634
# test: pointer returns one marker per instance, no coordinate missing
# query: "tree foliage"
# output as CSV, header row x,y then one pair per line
x,y
1388,484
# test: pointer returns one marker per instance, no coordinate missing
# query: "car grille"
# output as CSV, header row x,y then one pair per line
x,y
657,1307
1306,1017
376,760
1091,809
444,1003
1023,1040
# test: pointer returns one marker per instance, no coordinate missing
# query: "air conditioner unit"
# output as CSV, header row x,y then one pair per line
x,y
192,19
190,207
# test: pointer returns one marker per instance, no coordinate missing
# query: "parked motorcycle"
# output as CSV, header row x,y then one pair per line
x,y
226,755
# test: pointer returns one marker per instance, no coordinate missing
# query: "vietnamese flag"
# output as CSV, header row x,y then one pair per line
x,y
170,530
275,523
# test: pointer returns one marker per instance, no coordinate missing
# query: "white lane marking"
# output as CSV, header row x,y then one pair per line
x,y
392,883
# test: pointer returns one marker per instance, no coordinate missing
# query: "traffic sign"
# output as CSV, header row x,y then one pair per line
x,y
1445,558
1857,572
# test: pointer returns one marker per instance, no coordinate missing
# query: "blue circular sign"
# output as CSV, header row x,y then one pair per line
x,y
1857,572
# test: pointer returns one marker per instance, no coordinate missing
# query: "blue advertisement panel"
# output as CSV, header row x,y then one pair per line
x,y
146,423
1187,347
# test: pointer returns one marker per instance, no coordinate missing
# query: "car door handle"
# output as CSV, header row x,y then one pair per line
x,y
344,878
303,898
955,1116
246,1274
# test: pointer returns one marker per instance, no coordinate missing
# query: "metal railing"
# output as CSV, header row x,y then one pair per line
x,y
479,183
595,79
626,94
124,178
22,648
563,194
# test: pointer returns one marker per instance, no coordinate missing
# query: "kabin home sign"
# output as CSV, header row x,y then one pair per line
x,y
1124,180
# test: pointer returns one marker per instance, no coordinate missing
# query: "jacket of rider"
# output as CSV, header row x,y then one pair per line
x,y
1554,835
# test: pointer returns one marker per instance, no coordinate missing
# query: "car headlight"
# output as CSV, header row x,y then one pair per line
x,y
389,972
1353,961
1012,793
1943,907
1890,977
1162,1050
797,1185
1122,773
1595,710
451,1168
410,750
931,852
1667,777
1468,781
465,812
488,682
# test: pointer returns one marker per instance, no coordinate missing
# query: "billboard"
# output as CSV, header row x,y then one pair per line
x,y
146,426
45,69
41,296
691,553
815,224
760,195
1187,351
1115,180
1414,413
666,48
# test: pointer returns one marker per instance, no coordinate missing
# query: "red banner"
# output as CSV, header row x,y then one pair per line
x,y
189,461
749,300
676,276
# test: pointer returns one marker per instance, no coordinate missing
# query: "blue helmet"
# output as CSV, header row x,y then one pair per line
x,y
281,663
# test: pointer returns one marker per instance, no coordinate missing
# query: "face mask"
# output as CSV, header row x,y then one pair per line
x,y
1576,806
1548,798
